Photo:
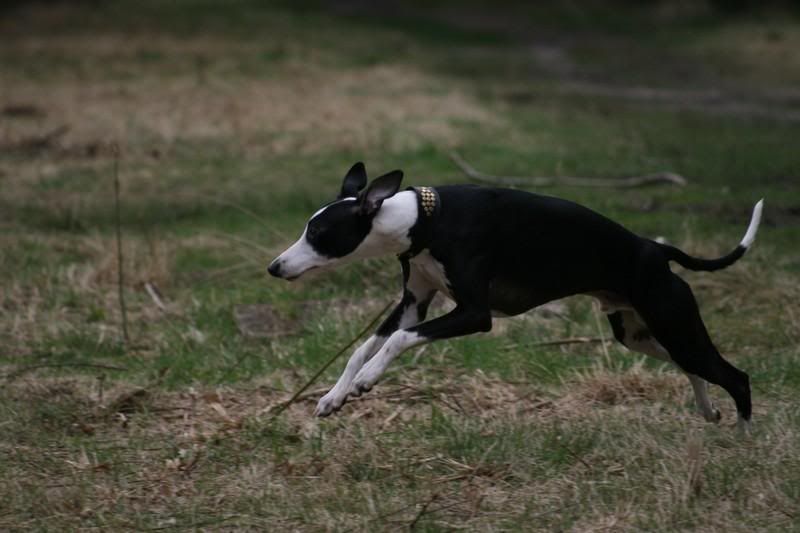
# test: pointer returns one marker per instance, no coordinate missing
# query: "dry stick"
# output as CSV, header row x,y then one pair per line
x,y
282,407
575,455
195,525
543,181
473,471
571,340
120,272
422,511
152,290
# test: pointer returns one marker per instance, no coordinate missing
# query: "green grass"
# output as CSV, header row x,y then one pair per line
x,y
236,122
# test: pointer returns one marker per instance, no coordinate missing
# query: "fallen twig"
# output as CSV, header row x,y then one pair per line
x,y
422,511
575,456
152,290
571,340
201,524
544,181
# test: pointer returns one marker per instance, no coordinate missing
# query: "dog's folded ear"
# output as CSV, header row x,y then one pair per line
x,y
379,190
354,181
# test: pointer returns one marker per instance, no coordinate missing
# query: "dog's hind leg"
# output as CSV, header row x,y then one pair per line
x,y
668,307
412,309
630,330
700,388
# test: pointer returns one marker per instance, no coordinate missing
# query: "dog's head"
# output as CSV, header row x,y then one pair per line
x,y
342,229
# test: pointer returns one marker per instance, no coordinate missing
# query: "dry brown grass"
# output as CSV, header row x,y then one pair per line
x,y
169,448
302,108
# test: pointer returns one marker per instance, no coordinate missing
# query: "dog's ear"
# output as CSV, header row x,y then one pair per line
x,y
379,190
354,181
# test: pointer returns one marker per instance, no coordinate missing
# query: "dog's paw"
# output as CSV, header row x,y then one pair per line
x,y
744,427
368,376
360,388
362,383
330,403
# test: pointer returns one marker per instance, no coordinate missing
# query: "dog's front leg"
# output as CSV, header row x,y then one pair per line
x,y
410,311
336,397
463,320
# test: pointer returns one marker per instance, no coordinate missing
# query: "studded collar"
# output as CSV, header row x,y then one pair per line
x,y
421,233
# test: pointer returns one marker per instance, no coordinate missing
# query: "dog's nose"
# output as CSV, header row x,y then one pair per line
x,y
274,268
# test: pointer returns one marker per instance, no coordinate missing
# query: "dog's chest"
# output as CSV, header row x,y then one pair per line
x,y
432,271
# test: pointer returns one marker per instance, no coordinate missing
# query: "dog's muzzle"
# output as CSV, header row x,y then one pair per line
x,y
274,269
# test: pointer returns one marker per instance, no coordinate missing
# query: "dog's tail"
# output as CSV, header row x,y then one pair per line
x,y
709,265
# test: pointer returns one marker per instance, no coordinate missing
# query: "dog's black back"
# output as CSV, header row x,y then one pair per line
x,y
533,248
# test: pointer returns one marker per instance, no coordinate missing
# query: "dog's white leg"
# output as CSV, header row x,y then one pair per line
x,y
411,310
463,320
700,387
637,338
399,342
744,426
334,399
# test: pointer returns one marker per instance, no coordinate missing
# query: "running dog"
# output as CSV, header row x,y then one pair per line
x,y
502,252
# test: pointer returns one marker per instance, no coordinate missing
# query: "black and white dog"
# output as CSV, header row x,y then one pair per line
x,y
501,252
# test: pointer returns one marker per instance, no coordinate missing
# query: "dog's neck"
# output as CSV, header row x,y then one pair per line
x,y
391,225
421,233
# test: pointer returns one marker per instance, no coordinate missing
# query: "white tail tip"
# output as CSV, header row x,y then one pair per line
x,y
752,229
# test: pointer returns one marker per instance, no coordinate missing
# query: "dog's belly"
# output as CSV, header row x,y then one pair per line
x,y
507,298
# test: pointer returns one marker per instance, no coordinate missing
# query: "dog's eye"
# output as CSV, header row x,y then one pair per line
x,y
312,232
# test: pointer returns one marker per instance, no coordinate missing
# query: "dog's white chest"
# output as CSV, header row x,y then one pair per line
x,y
431,271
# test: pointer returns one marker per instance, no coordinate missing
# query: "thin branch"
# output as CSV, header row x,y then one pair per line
x,y
152,290
545,181
422,511
571,340
575,456
120,271
280,408
195,525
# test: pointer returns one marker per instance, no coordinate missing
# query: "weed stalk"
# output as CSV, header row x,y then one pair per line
x,y
120,269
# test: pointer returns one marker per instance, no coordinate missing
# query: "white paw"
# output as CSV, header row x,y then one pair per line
x,y
712,414
331,402
744,427
366,378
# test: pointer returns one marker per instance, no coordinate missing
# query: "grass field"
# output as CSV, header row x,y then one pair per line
x,y
235,121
